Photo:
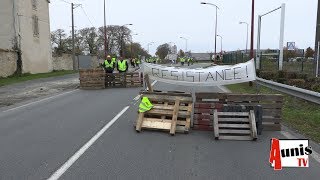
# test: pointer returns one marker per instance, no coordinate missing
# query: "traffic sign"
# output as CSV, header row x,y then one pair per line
x,y
291,46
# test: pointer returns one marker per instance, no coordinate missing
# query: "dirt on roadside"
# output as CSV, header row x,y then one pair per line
x,y
17,93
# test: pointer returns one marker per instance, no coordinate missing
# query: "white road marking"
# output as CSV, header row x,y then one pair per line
x,y
314,154
35,102
154,82
85,147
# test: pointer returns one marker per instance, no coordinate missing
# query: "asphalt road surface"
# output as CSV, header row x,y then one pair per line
x,y
42,139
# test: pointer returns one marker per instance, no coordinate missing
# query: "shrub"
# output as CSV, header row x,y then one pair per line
x,y
282,74
291,75
282,80
296,82
316,87
269,75
302,76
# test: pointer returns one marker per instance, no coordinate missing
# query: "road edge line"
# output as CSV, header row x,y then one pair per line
x,y
57,174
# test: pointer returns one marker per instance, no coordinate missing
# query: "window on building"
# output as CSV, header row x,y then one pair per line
x,y
34,4
35,24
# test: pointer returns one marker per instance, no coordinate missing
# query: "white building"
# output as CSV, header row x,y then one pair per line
x,y
25,24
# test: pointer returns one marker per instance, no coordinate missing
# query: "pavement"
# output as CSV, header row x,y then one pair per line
x,y
82,134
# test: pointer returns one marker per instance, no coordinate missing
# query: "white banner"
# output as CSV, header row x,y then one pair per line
x,y
212,76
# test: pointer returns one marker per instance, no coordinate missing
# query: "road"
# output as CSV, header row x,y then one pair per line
x,y
37,139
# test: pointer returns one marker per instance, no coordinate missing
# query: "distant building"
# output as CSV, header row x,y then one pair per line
x,y
25,25
201,56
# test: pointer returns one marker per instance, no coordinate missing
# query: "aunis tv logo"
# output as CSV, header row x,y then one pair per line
x,y
289,153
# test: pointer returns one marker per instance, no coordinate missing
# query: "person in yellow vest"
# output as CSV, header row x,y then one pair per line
x,y
182,60
108,65
138,62
145,105
122,65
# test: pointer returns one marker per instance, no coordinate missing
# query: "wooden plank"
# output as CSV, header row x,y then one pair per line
x,y
271,119
233,114
147,80
233,131
166,94
161,125
165,98
163,107
238,138
139,122
253,125
254,97
169,107
236,126
204,111
272,112
211,96
182,114
179,122
188,120
276,105
174,117
233,119
215,124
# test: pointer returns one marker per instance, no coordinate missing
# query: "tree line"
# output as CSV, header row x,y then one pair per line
x,y
91,41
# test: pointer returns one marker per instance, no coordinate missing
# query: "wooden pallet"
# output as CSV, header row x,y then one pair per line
x,y
234,125
171,112
92,78
207,102
121,80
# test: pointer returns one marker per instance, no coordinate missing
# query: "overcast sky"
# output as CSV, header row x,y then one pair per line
x,y
164,21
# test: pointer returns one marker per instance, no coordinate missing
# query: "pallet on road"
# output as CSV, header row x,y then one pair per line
x,y
234,125
123,80
92,78
171,112
207,102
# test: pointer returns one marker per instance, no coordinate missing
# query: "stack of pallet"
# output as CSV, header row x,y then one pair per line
x,y
92,78
133,79
171,112
206,103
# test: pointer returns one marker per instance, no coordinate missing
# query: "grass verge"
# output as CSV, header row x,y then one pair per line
x,y
27,77
298,114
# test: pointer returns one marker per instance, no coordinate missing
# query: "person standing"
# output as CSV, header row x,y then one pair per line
x,y
122,65
182,60
108,65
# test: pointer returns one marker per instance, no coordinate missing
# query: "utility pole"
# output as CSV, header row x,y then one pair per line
x,y
252,31
73,6
73,49
105,30
317,69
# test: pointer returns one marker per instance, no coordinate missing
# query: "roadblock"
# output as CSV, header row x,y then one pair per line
x,y
171,112
271,109
98,79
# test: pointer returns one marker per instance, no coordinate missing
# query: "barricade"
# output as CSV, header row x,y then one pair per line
x,y
171,112
206,103
92,78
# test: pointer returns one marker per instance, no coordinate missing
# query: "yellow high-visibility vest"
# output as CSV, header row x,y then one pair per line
x,y
122,65
145,105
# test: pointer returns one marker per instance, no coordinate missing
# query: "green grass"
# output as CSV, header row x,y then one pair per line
x,y
27,77
308,66
297,114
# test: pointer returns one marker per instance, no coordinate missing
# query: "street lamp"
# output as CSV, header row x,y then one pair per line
x,y
122,48
149,45
215,36
247,34
221,42
282,7
105,30
186,42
